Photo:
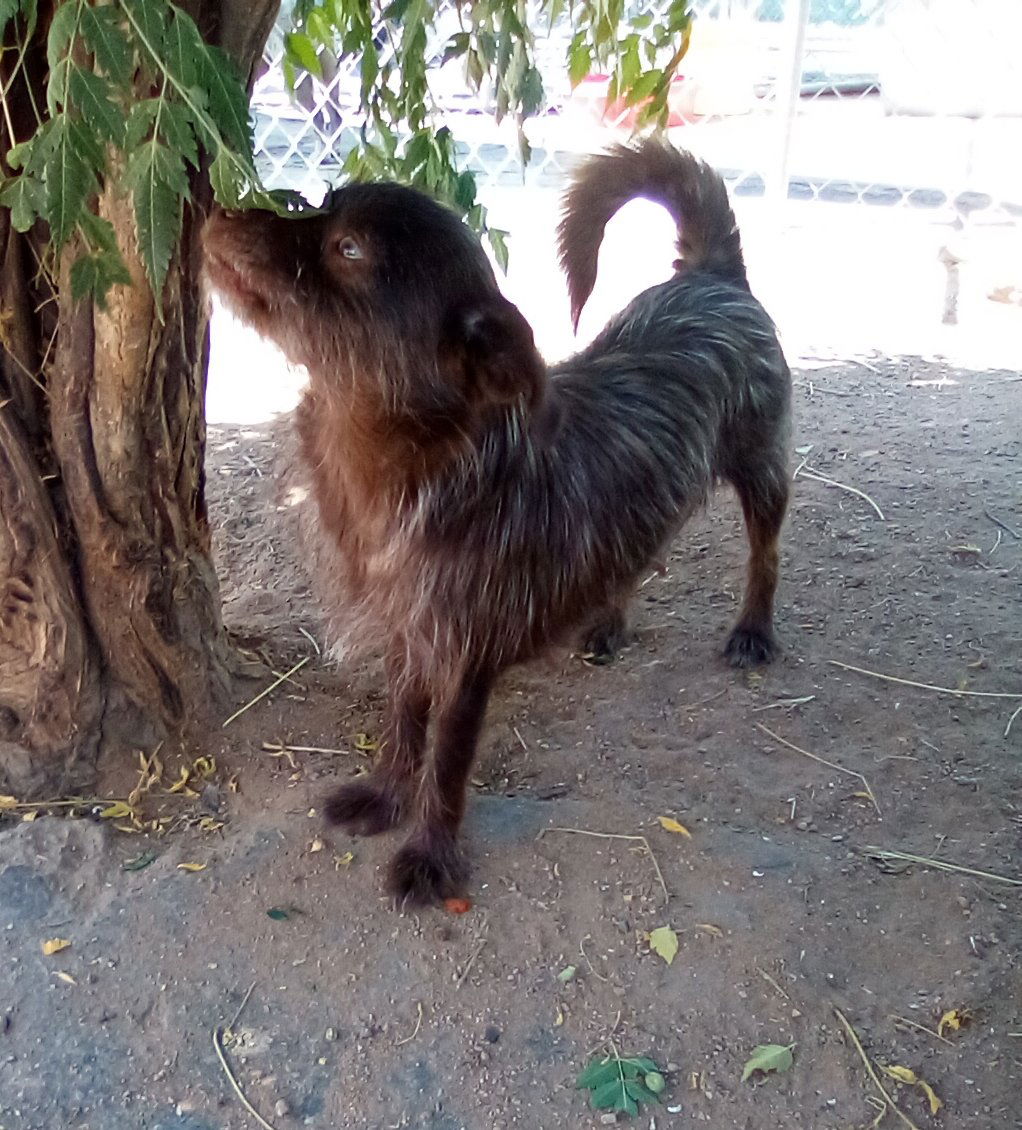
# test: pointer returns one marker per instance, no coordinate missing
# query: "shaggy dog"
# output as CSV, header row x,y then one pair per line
x,y
479,505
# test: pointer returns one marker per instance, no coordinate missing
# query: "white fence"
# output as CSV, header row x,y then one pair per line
x,y
887,103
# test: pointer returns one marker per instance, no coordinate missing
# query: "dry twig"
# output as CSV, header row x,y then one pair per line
x,y
823,761
263,693
883,854
218,1044
415,1030
857,1043
808,472
617,836
923,686
904,1020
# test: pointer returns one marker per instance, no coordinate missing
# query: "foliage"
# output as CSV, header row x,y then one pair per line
x,y
766,1058
133,93
134,97
399,49
620,1084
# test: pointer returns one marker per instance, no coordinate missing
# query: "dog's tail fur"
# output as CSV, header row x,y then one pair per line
x,y
689,189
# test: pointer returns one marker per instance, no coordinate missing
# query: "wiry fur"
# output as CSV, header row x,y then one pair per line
x,y
482,507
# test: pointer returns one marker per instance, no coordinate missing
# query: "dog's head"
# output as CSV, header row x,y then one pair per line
x,y
384,283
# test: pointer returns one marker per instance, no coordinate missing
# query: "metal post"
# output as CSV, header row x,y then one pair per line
x,y
789,88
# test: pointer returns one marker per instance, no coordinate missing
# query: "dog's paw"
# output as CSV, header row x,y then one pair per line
x,y
750,647
427,872
602,643
363,809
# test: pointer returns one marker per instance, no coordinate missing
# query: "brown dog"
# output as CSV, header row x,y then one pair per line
x,y
480,505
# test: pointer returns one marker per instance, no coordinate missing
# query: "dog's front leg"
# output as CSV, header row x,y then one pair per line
x,y
431,866
384,798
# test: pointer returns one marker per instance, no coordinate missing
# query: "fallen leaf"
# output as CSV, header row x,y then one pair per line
x,y
931,1096
457,906
277,913
664,941
191,867
767,1058
204,766
707,928
669,824
316,845
954,1019
65,977
365,744
345,860
559,1018
55,945
8,801
908,1076
655,1081
139,861
30,816
116,811
567,974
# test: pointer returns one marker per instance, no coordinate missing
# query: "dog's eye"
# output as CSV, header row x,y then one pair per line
x,y
347,248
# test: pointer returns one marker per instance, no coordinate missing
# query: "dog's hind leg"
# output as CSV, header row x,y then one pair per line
x,y
763,493
383,799
431,866
605,636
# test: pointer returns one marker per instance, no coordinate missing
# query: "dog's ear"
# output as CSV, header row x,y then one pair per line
x,y
490,347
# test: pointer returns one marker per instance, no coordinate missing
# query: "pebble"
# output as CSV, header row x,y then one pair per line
x,y
803,825
330,1035
608,1119
281,1109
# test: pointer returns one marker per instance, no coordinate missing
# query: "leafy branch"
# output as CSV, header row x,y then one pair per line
x,y
621,1084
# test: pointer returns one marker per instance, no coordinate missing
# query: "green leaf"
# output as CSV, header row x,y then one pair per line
x,y
140,861
395,11
158,185
301,48
69,179
457,45
62,30
664,941
176,130
609,1095
599,1071
767,1058
643,87
580,60
90,94
567,974
498,243
149,19
99,233
25,197
278,914
183,46
226,99
104,36
140,121
655,1081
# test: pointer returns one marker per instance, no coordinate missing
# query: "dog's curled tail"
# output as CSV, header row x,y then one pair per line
x,y
689,189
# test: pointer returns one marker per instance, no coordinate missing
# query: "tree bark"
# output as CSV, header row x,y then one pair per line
x,y
110,626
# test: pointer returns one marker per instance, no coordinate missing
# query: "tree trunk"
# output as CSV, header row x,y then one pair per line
x,y
110,627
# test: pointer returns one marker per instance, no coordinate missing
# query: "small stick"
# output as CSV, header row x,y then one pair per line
x,y
810,473
241,1008
939,865
824,761
872,1074
1004,526
471,961
272,687
415,1031
312,639
520,738
1014,714
923,686
786,702
772,983
617,836
232,1079
277,747
904,1020
592,968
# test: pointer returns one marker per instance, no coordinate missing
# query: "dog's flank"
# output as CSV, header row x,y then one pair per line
x,y
480,506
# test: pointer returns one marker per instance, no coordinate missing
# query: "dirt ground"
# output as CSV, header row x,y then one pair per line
x,y
361,1018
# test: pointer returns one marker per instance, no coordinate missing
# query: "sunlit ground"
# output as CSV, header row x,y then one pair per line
x,y
840,280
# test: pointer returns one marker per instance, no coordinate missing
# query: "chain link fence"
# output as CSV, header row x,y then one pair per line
x,y
888,103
